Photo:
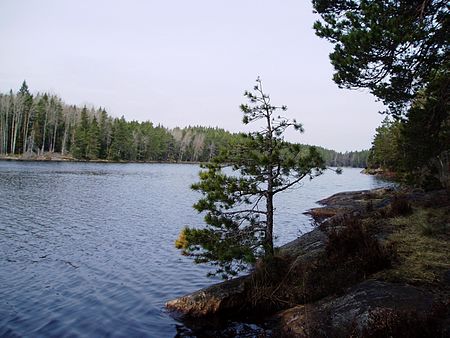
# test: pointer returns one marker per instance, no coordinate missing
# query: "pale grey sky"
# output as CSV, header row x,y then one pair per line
x,y
179,62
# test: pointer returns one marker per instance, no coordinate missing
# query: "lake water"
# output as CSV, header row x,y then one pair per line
x,y
87,249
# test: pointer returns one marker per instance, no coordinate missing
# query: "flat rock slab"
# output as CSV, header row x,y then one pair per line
x,y
348,198
331,315
216,299
349,202
308,246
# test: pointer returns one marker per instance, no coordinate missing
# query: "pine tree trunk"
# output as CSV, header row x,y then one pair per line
x,y
269,226
269,210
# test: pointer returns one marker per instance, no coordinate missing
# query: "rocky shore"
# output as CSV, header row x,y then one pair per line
x,y
377,264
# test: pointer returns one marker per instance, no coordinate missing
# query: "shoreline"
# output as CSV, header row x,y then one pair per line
x,y
366,264
57,157
61,158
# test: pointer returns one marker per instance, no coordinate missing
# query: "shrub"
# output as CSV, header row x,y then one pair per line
x,y
351,254
355,244
400,206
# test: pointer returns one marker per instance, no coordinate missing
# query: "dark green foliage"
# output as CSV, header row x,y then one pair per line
x,y
41,124
81,136
26,102
104,134
121,141
239,202
93,140
394,48
416,147
400,51
385,152
354,159
426,133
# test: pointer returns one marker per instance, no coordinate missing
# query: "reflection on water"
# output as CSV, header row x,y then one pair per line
x,y
87,249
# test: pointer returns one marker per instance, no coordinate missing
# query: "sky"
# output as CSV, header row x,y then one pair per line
x,y
180,63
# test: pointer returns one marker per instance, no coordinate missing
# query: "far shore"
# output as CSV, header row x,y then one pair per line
x,y
57,157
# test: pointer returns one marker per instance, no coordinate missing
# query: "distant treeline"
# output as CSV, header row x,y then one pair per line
x,y
355,159
42,123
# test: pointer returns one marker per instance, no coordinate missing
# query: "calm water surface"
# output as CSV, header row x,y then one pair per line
x,y
86,249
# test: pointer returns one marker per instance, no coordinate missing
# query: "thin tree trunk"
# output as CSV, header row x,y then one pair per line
x,y
3,126
16,130
25,133
270,179
269,226
64,140
11,141
43,133
54,134
6,129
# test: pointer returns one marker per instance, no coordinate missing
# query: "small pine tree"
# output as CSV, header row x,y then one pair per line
x,y
239,205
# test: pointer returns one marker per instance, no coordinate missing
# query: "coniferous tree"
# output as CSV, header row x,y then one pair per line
x,y
239,206
40,124
26,100
81,136
399,50
121,141
44,123
393,48
385,152
104,134
93,135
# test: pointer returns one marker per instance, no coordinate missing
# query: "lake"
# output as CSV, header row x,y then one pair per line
x,y
87,249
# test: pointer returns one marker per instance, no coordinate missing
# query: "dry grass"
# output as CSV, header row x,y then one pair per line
x,y
422,244
351,255
400,206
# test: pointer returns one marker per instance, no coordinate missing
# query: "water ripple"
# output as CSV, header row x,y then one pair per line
x,y
87,249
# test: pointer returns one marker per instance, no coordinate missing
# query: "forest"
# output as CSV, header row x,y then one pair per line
x,y
403,58
39,124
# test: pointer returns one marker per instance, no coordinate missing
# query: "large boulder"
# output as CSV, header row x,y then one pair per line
x,y
216,299
354,311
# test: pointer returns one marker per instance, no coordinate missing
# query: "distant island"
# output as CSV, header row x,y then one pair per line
x,y
43,127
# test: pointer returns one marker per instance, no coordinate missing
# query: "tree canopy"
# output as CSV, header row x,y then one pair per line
x,y
395,48
400,51
42,124
239,201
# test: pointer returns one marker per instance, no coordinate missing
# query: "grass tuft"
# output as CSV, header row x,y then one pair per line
x,y
351,255
400,206
423,252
